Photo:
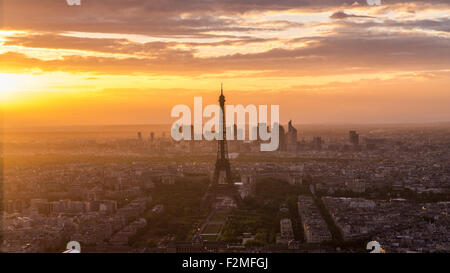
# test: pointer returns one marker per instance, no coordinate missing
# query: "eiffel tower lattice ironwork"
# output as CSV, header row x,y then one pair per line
x,y
222,183
222,172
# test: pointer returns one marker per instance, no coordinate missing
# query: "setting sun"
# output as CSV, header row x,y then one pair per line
x,y
8,85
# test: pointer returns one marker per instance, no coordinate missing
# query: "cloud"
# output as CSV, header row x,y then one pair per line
x,y
122,45
339,54
103,45
280,45
343,15
155,17
392,27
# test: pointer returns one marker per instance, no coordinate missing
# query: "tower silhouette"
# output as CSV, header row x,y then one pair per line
x,y
222,183
222,172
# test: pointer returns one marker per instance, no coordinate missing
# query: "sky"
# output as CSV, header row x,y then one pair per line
x,y
130,62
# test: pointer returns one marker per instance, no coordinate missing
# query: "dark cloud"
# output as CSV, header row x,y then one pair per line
x,y
103,45
156,49
438,24
343,15
155,17
323,56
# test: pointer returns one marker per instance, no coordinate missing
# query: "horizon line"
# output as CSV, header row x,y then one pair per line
x,y
168,124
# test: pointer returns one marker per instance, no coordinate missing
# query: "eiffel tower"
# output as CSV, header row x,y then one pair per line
x,y
222,183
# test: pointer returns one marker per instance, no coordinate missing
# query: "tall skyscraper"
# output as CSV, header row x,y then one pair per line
x,y
317,143
291,138
282,136
353,137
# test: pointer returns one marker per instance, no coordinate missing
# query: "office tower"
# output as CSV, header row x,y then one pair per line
x,y
282,138
258,138
152,136
353,137
291,138
139,134
317,143
264,127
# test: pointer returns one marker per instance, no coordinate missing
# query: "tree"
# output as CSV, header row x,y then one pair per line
x,y
151,243
253,243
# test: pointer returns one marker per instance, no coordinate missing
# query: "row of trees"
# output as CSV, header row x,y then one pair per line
x,y
260,214
181,214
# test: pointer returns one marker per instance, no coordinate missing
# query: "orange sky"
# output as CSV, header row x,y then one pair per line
x,y
130,62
